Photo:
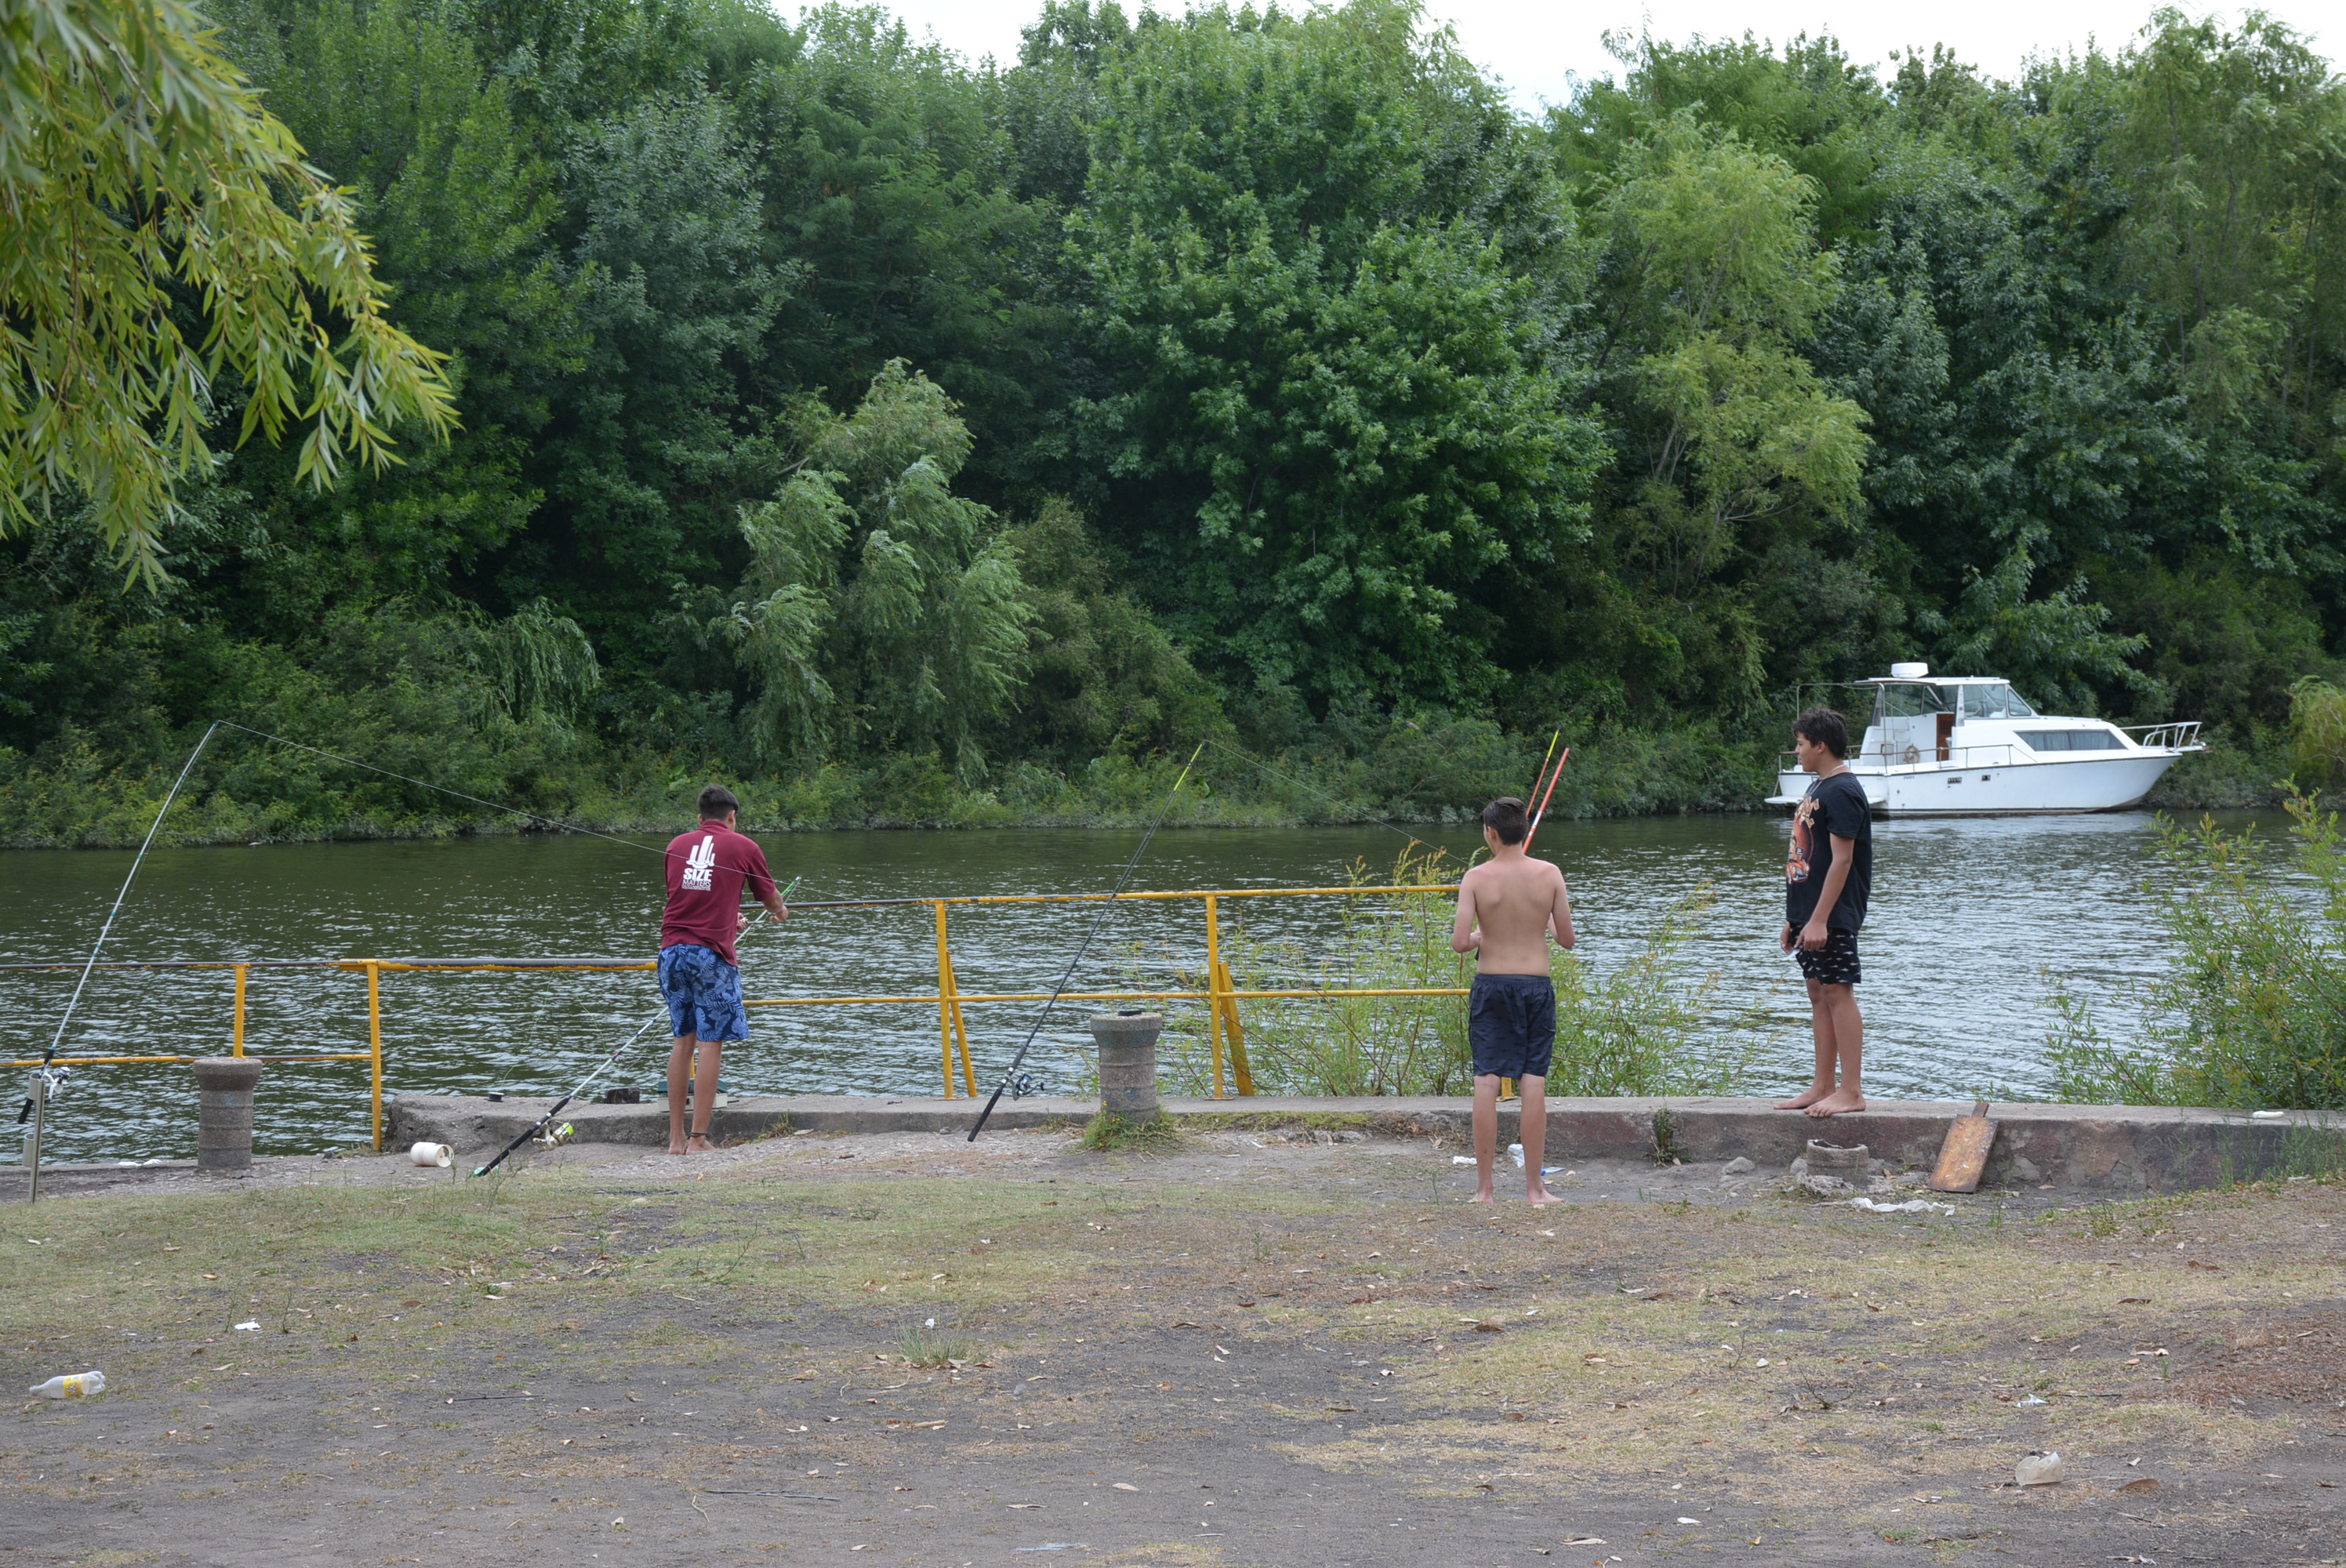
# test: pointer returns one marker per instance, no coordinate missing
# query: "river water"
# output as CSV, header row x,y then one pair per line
x,y
1969,921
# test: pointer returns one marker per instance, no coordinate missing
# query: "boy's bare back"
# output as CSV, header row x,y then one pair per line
x,y
1515,900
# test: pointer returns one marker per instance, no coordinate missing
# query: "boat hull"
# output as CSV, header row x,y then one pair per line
x,y
2104,782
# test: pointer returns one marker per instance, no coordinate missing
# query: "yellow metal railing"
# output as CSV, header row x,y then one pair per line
x,y
373,968
1225,1033
1221,994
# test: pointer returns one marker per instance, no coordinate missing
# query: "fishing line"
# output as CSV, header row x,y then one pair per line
x,y
37,1104
601,1068
1254,761
1249,758
443,790
1098,919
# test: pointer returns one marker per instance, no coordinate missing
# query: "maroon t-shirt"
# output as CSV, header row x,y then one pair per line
x,y
706,869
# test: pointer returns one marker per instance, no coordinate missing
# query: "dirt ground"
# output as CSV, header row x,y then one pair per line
x,y
1260,1348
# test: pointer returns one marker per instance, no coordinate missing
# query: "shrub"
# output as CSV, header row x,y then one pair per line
x,y
1650,1026
2252,1013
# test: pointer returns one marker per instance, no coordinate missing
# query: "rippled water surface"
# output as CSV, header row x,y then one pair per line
x,y
1967,919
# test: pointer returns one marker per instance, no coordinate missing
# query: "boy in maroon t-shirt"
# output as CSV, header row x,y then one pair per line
x,y
699,974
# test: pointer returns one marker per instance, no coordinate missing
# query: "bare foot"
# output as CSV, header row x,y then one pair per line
x,y
1834,1104
1539,1196
1806,1098
674,1148
1481,1195
700,1145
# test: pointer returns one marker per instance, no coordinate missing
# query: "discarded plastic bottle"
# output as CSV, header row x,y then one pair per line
x,y
70,1386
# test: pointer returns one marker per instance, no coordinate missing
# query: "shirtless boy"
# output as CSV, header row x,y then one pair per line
x,y
1508,909
698,973
1828,876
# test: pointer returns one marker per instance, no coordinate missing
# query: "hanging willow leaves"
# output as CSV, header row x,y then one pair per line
x,y
161,235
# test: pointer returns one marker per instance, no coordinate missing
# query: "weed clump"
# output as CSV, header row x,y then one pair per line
x,y
1109,1131
935,1348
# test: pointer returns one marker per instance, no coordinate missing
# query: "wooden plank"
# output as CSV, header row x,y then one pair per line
x,y
1965,1154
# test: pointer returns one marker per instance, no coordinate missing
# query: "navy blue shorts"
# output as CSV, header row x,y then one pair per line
x,y
1510,1025
703,992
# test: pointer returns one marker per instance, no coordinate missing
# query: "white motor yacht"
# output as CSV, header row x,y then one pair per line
x,y
1968,746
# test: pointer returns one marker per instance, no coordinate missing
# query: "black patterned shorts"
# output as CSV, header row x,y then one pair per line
x,y
1835,964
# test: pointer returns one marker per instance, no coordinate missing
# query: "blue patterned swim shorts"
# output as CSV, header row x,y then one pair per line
x,y
703,992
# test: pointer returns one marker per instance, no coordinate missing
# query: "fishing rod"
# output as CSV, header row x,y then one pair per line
x,y
1069,973
1545,799
37,1105
1544,761
600,1068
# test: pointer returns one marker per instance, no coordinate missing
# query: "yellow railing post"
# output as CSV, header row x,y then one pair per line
x,y
374,1040
961,1027
236,1046
1236,1031
1214,984
948,1010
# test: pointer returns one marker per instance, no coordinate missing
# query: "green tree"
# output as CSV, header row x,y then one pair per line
x,y
1341,428
463,212
1104,679
881,611
138,170
1733,445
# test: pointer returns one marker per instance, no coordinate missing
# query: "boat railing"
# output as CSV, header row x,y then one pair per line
x,y
1922,756
2182,736
1221,992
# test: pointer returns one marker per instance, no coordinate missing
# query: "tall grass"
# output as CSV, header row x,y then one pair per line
x,y
1650,1025
2252,1013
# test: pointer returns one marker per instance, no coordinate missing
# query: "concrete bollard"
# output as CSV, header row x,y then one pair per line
x,y
224,1127
1127,1062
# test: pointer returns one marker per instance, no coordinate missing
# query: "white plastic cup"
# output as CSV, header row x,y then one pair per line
x,y
439,1155
2040,1470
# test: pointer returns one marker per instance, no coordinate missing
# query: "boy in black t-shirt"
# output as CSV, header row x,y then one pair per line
x,y
1827,877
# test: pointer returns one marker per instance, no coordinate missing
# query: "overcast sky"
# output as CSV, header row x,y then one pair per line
x,y
1536,48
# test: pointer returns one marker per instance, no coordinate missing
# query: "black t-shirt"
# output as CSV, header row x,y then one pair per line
x,y
1833,806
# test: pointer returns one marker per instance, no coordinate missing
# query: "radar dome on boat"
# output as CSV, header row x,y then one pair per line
x,y
1909,671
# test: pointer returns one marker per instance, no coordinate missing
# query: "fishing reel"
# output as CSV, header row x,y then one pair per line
x,y
51,1079
1023,1084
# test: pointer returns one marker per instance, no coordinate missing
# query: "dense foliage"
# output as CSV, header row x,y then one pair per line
x,y
921,439
139,175
2252,1014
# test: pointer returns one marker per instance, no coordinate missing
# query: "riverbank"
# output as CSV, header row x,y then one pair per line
x,y
1388,770
1246,1351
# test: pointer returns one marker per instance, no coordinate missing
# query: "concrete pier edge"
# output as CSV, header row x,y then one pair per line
x,y
2109,1148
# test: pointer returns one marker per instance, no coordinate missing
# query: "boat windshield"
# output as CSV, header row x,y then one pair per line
x,y
1995,701
1912,699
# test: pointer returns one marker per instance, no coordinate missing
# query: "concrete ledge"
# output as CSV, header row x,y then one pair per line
x,y
17,1180
2114,1148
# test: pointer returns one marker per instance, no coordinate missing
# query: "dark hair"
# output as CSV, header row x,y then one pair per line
x,y
1823,727
715,801
1508,818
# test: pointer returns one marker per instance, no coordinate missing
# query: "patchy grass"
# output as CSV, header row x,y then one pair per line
x,y
1305,1318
